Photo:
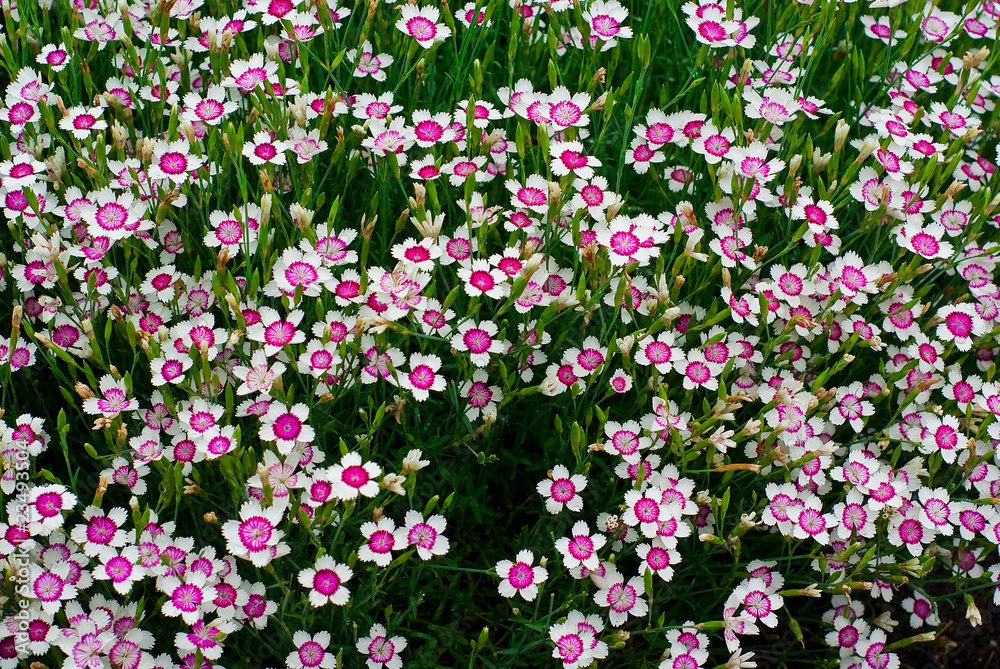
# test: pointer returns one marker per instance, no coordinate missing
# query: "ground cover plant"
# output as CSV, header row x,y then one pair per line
x,y
503,334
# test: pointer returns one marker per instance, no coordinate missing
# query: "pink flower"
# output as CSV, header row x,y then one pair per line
x,y
170,369
562,490
580,548
757,600
641,155
185,598
661,352
905,529
81,121
851,408
423,376
102,531
352,477
421,24
482,398
264,148
286,426
568,158
51,586
622,599
427,536
519,577
775,105
56,57
274,332
247,75
646,510
259,376
713,30
605,18
698,372
255,535
626,439
714,144
381,649
573,644
567,109
390,139
810,522
534,195
325,582
621,381
173,161
480,279
114,399
658,559
311,651
478,340
960,324
382,538
942,435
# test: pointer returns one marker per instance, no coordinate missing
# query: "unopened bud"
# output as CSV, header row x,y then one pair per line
x,y
840,135
265,208
794,164
301,217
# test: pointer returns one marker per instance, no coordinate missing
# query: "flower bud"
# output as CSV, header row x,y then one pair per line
x,y
187,129
820,160
265,208
625,344
271,46
146,148
119,135
393,483
301,217
840,135
549,386
868,147
412,461
794,164
886,622
972,612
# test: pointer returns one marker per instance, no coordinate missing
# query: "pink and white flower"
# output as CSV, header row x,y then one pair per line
x,y
353,477
265,149
325,582
114,399
580,548
381,539
286,426
421,23
479,340
561,490
520,577
423,376
623,599
255,536
427,536
381,649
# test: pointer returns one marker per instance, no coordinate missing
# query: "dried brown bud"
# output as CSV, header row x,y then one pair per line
x,y
368,227
265,182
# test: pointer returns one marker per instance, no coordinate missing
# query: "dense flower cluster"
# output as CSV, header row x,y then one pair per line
x,y
759,326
